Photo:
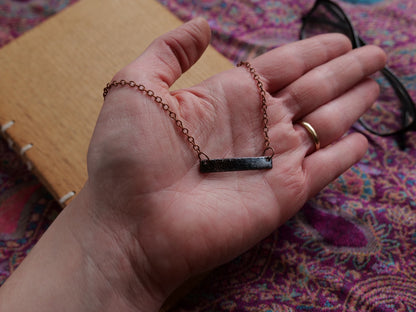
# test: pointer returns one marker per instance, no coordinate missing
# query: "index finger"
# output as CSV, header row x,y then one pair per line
x,y
280,67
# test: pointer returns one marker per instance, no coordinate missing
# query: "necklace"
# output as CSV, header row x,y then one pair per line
x,y
206,164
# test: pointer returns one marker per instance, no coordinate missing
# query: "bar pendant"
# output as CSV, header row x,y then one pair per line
x,y
235,164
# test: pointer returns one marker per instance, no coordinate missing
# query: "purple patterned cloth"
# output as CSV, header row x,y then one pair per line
x,y
351,248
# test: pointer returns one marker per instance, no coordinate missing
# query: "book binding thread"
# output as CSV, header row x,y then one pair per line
x,y
22,152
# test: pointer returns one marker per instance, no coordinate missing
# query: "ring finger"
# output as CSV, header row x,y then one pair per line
x,y
333,120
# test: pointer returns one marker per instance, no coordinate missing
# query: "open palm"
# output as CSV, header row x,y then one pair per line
x,y
145,176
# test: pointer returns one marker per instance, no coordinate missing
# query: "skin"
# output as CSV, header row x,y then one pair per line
x,y
146,219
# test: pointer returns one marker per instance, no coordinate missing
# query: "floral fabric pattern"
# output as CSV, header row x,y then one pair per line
x,y
351,248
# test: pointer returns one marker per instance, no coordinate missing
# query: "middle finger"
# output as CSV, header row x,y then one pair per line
x,y
328,81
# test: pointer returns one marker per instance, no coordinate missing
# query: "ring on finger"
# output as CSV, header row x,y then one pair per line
x,y
312,133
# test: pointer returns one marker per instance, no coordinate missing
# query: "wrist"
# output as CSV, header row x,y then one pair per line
x,y
113,259
78,266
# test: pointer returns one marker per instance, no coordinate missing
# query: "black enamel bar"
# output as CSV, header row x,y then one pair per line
x,y
235,164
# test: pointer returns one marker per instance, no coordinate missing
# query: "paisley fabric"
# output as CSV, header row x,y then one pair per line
x,y
351,247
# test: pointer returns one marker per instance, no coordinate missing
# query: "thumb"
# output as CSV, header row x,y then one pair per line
x,y
171,54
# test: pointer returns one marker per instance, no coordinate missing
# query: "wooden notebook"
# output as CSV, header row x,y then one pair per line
x,y
51,81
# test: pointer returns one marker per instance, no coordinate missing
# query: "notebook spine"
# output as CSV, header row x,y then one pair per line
x,y
22,151
4,128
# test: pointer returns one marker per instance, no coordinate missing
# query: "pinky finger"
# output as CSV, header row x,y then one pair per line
x,y
327,164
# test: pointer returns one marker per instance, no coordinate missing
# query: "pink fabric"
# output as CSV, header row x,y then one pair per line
x,y
351,248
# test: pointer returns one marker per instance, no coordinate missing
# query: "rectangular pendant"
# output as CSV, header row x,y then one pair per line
x,y
235,164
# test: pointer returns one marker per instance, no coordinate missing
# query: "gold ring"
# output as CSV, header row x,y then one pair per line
x,y
312,133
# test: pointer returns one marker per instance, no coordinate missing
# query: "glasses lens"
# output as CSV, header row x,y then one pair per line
x,y
388,114
326,17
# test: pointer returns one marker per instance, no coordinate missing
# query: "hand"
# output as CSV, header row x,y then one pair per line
x,y
145,196
144,174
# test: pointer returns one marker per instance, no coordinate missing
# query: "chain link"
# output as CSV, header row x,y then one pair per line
x,y
262,92
141,88
164,106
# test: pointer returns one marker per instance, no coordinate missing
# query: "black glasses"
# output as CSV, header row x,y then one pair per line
x,y
394,112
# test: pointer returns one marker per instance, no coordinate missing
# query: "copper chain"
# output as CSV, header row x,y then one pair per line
x,y
165,107
262,92
179,123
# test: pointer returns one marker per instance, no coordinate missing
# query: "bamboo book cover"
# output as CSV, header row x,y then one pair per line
x,y
52,77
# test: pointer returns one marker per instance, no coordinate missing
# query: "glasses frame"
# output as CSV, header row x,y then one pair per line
x,y
408,108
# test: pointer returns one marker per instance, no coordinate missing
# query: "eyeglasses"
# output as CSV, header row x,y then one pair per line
x,y
394,112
